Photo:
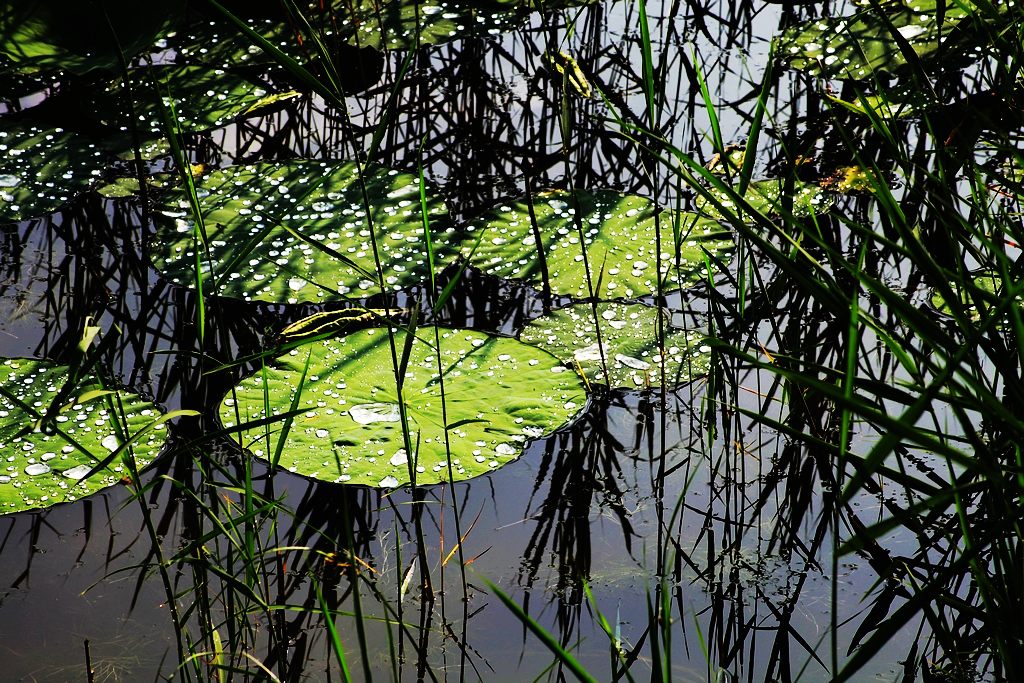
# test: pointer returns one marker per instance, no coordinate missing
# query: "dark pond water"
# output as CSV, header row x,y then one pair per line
x,y
694,521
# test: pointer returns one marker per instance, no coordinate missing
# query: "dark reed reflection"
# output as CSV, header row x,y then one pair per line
x,y
706,523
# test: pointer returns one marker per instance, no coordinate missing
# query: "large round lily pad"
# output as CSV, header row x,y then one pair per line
x,y
42,168
498,393
629,342
766,197
620,239
299,231
42,468
203,98
221,45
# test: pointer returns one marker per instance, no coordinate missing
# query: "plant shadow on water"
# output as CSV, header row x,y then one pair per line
x,y
809,469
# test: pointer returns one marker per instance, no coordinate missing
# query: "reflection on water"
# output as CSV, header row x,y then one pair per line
x,y
685,526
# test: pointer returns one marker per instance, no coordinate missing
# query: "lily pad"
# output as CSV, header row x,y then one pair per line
x,y
221,45
862,46
765,196
986,288
895,104
498,394
852,180
120,188
44,468
298,231
629,345
404,24
620,244
204,98
42,168
77,37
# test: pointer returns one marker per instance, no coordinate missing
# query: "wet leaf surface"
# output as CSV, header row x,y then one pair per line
x,y
404,24
78,37
43,469
980,293
620,244
863,46
766,197
43,168
629,348
203,98
255,214
498,394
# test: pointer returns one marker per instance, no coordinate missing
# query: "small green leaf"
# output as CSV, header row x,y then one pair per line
x,y
981,292
120,188
333,322
851,180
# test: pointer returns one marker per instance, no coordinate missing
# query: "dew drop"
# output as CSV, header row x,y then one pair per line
x,y
77,473
367,413
631,362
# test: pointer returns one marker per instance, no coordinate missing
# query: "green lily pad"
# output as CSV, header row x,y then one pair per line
x,y
42,168
862,46
852,180
120,188
629,342
77,37
42,469
986,289
402,24
255,214
765,196
204,98
221,45
620,241
498,394
148,150
895,104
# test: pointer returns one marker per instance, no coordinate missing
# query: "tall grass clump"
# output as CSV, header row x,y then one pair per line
x,y
919,282
914,400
